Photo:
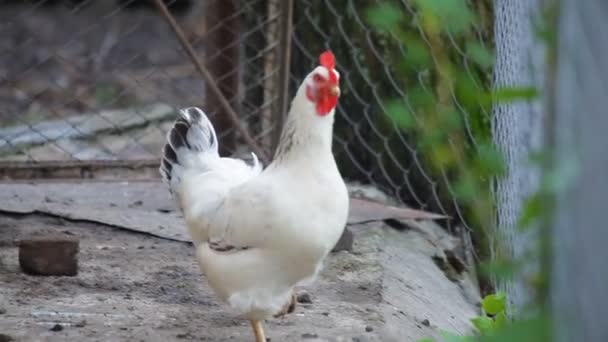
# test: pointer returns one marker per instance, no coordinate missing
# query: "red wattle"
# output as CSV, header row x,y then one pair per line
x,y
326,104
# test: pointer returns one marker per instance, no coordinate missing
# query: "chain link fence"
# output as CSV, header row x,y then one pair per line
x,y
101,80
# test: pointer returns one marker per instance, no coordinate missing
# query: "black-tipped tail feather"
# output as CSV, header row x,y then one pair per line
x,y
192,133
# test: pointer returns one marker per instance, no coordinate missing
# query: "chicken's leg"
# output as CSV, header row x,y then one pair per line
x,y
258,331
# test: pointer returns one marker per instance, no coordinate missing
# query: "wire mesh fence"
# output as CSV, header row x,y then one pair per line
x,y
101,80
369,144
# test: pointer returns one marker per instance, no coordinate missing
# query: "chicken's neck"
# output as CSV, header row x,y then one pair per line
x,y
305,134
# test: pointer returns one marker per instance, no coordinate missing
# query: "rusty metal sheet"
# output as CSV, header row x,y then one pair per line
x,y
140,169
146,207
362,211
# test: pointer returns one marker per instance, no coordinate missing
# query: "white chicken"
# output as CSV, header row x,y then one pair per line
x,y
259,233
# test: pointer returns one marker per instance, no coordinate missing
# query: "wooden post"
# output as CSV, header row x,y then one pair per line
x,y
222,60
285,33
271,76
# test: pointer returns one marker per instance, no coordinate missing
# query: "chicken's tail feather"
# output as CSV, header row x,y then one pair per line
x,y
191,134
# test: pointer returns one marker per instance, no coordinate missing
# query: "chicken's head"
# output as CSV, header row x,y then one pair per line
x,y
323,88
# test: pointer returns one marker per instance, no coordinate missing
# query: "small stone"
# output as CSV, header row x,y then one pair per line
x,y
346,241
57,327
137,203
369,328
49,256
81,324
426,322
2,311
309,335
325,313
304,298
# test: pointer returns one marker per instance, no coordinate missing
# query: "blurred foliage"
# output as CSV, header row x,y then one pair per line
x,y
447,115
446,109
494,326
447,112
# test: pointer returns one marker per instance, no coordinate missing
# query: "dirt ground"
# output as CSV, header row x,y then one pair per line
x,y
134,287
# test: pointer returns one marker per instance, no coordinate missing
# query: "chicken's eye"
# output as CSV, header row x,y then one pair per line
x,y
317,78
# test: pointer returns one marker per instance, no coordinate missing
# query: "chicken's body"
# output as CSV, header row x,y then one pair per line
x,y
258,233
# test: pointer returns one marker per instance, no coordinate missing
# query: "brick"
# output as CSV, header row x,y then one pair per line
x,y
49,256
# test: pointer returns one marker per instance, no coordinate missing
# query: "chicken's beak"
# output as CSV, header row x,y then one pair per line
x,y
335,91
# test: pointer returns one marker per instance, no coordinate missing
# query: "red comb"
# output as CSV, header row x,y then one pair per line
x,y
327,60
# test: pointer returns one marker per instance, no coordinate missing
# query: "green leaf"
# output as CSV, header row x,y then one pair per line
x,y
454,16
420,98
490,161
442,155
430,140
451,120
501,269
494,303
536,329
468,90
533,209
384,17
418,55
464,189
480,54
500,320
397,110
451,337
483,323
514,94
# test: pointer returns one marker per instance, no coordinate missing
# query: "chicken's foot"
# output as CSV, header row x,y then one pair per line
x,y
258,331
